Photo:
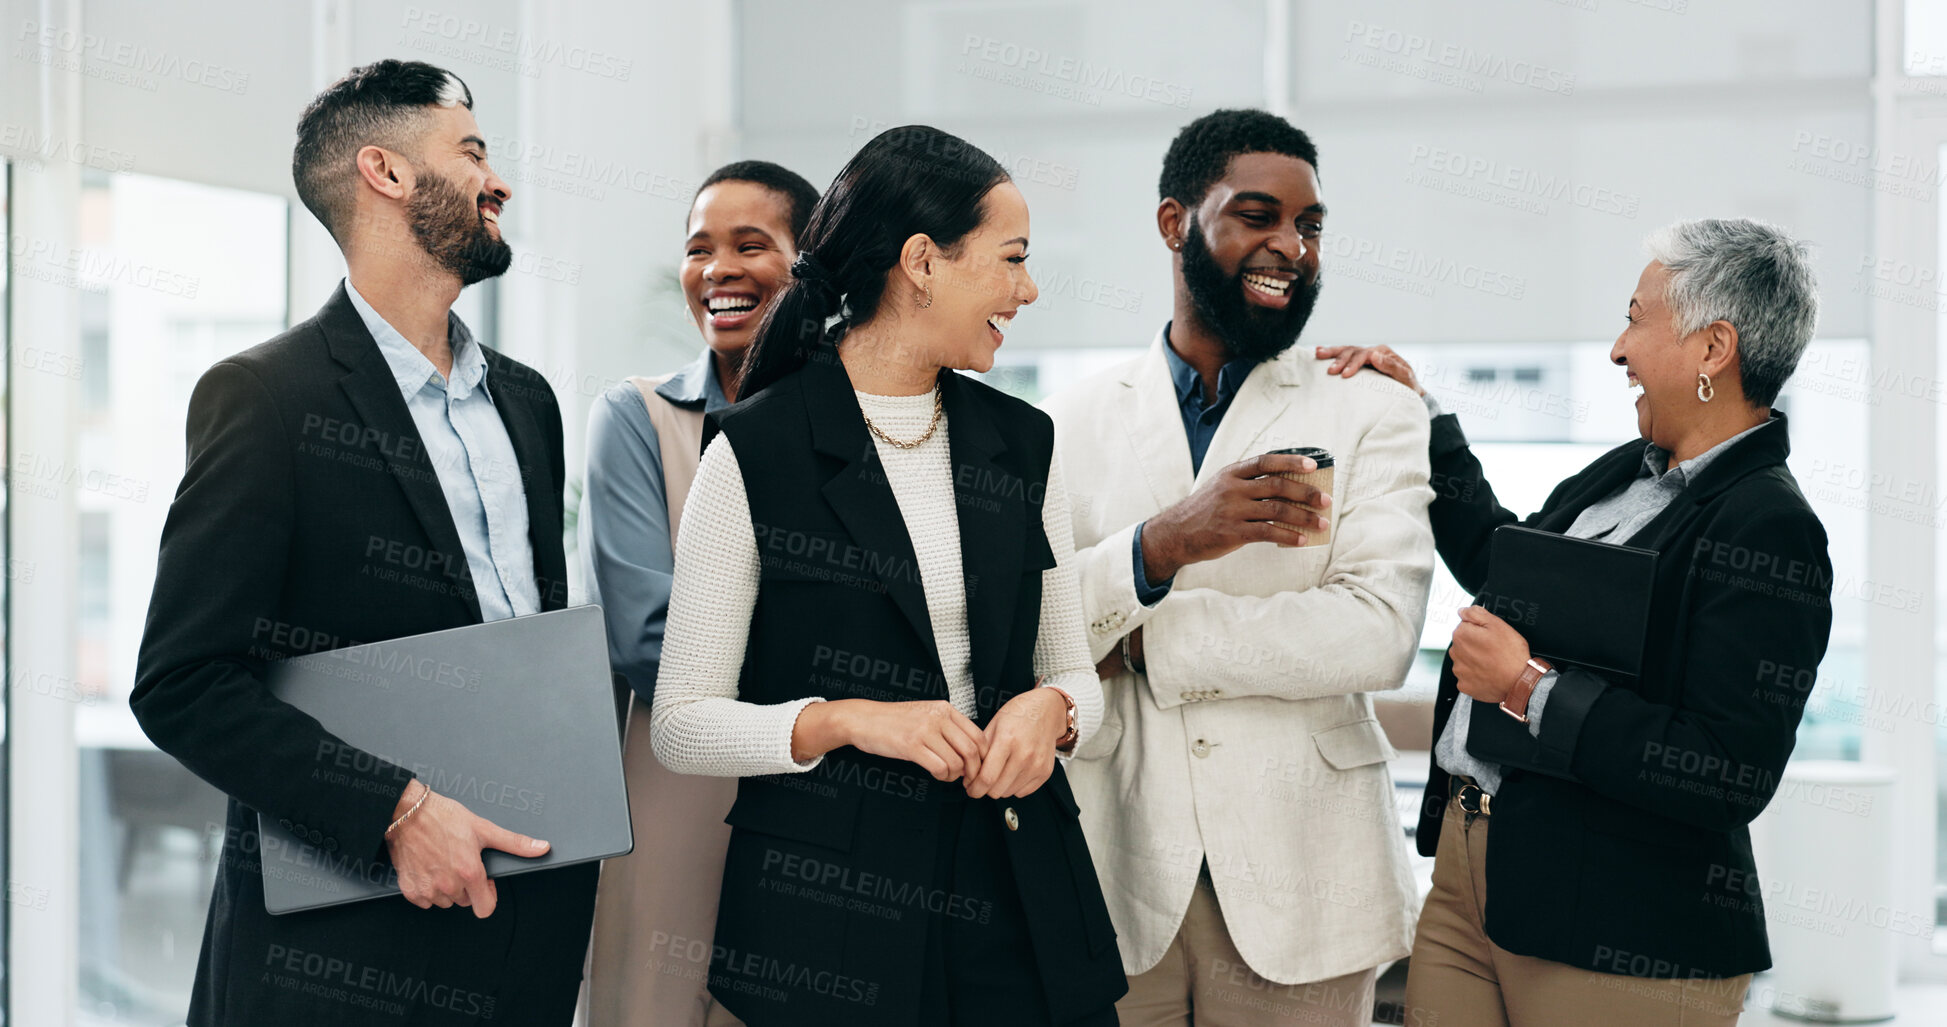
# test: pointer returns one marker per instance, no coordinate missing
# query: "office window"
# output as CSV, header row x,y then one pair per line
x,y
21,570
173,277
1035,374
1538,413
1926,499
1926,37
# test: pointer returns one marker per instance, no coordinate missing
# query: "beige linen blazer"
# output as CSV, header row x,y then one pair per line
x,y
1250,743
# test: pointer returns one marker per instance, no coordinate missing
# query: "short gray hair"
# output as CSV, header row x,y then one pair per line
x,y
1752,275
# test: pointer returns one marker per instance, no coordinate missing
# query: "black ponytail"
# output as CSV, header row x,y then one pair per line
x,y
906,181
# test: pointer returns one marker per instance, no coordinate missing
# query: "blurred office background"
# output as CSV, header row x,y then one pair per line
x,y
1491,169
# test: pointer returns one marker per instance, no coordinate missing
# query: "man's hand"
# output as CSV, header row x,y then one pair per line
x,y
1237,506
1112,664
1021,745
437,853
1488,655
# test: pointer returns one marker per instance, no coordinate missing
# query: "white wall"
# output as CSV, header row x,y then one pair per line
x,y
1655,114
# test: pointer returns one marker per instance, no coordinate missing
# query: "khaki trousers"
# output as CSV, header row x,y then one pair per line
x,y
1459,978
656,908
1203,981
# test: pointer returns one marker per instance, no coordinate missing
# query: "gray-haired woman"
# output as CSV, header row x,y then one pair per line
x,y
1623,888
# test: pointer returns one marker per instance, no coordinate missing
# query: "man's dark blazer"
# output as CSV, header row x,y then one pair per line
x,y
1636,859
309,517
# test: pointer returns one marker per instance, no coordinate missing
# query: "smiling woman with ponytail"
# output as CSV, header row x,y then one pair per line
x,y
876,626
910,183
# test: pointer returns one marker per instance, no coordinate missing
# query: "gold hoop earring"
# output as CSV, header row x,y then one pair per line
x,y
928,290
1705,391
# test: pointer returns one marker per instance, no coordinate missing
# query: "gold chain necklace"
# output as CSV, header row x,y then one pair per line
x,y
939,405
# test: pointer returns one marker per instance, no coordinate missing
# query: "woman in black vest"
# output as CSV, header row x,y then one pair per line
x,y
875,624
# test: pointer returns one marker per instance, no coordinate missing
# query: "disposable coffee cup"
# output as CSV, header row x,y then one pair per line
x,y
1320,479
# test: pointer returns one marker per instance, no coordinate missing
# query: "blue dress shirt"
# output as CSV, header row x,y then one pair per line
x,y
1200,423
471,453
623,526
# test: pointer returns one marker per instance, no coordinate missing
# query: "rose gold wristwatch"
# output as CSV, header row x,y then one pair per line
x,y
1067,739
1515,703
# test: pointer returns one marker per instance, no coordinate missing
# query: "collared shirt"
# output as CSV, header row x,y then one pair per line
x,y
1620,516
1614,518
623,524
1200,421
471,453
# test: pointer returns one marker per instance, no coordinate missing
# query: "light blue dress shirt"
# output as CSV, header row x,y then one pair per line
x,y
623,525
1614,518
467,443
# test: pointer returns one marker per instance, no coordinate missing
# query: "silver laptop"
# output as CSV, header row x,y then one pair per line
x,y
515,719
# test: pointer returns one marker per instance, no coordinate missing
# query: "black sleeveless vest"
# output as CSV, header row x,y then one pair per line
x,y
819,862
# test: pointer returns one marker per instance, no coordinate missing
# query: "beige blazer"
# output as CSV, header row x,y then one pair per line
x,y
1251,743
656,908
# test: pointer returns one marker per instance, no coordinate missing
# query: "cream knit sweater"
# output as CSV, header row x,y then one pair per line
x,y
699,726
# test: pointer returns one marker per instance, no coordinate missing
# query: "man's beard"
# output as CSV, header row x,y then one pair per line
x,y
450,229
1247,331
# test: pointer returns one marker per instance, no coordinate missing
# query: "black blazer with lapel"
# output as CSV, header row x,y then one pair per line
x,y
841,613
309,517
1632,856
